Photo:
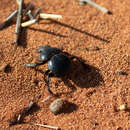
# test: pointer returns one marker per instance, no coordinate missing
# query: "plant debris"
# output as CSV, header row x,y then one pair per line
x,y
92,3
18,22
8,19
45,126
19,119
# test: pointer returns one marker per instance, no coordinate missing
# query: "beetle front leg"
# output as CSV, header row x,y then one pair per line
x,y
30,65
33,65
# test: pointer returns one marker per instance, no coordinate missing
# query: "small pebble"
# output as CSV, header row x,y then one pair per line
x,y
122,107
57,106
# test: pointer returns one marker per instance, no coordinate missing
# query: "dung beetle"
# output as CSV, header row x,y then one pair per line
x,y
58,62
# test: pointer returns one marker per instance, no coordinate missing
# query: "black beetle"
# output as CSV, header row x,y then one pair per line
x,y
58,62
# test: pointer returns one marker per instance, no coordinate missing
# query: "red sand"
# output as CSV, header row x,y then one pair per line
x,y
99,89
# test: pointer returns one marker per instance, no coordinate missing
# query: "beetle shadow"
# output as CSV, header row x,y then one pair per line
x,y
83,76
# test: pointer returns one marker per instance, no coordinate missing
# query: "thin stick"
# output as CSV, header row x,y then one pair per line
x,y
18,22
29,13
18,1
37,12
50,16
28,23
31,104
8,19
29,7
21,116
45,126
92,3
11,16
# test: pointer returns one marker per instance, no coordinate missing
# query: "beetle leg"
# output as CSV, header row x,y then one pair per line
x,y
30,65
45,74
79,60
33,65
48,81
49,76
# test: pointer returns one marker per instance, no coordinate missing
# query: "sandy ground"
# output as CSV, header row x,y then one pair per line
x,y
98,89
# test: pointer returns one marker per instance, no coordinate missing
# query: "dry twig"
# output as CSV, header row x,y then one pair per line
x,y
28,23
29,13
18,22
50,16
8,19
29,7
92,3
37,12
45,126
21,115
